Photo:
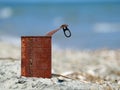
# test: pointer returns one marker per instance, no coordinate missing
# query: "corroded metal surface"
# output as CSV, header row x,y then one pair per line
x,y
36,56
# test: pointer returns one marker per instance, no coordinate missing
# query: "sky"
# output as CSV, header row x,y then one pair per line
x,y
59,1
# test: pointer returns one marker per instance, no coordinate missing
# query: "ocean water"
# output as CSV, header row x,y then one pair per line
x,y
93,25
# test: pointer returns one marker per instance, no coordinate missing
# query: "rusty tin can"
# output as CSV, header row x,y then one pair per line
x,y
36,56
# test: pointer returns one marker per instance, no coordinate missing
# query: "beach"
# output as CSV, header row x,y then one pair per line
x,y
88,60
71,70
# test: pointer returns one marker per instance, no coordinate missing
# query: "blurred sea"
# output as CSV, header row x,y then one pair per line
x,y
93,25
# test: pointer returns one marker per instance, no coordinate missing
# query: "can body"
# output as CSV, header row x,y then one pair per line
x,y
36,56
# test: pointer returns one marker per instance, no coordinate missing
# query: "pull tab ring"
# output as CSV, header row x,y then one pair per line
x,y
67,32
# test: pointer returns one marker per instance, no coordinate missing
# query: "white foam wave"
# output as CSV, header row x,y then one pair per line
x,y
6,12
17,41
10,39
56,46
106,27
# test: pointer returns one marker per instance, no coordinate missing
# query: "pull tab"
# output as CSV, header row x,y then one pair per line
x,y
67,32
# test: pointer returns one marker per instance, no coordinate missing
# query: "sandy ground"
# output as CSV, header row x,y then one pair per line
x,y
81,70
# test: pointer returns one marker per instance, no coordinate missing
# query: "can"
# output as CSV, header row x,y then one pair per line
x,y
36,56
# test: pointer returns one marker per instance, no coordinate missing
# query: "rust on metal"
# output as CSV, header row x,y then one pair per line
x,y
36,56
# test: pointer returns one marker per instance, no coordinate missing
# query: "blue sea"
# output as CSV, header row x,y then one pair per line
x,y
93,25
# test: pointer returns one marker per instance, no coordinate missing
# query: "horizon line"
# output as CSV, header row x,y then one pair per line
x,y
46,2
